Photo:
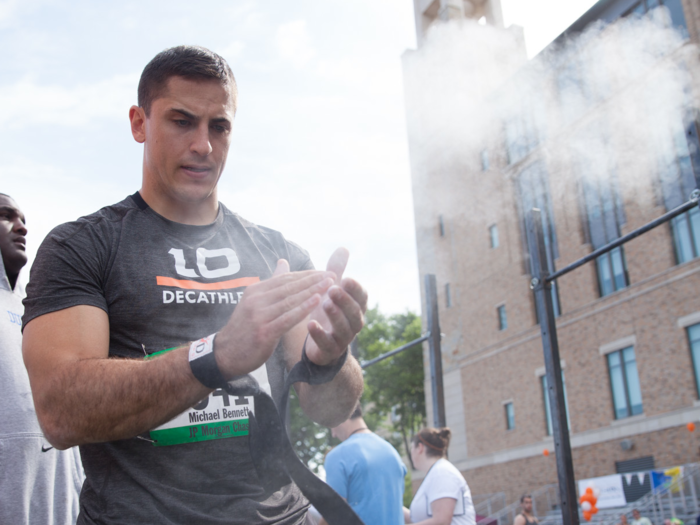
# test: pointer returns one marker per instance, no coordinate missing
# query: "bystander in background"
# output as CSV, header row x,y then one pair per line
x,y
39,485
367,471
443,496
526,517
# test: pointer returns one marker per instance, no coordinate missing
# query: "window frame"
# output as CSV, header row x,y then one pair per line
x,y
494,239
510,415
625,382
502,319
485,164
696,363
548,425
534,191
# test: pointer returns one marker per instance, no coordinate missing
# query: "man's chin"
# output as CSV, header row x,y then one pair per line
x,y
15,260
195,194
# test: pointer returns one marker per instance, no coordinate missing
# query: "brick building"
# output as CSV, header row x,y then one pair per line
x,y
629,323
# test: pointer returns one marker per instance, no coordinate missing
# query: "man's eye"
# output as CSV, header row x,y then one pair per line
x,y
182,123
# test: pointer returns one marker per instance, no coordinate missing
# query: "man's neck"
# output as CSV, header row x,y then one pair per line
x,y
198,213
12,278
356,426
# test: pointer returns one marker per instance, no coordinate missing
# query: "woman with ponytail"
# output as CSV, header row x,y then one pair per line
x,y
443,497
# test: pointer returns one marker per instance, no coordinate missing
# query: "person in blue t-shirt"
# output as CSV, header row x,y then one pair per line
x,y
366,471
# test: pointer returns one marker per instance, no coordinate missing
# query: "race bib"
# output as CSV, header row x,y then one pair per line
x,y
218,416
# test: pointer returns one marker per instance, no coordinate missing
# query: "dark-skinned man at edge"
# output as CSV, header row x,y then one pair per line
x,y
171,271
38,484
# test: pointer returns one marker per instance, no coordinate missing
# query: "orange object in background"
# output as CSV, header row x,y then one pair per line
x,y
691,427
588,502
545,452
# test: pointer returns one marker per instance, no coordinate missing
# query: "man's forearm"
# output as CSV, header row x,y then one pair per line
x,y
332,403
105,399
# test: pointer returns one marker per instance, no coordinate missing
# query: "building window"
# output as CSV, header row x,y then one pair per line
x,y
521,136
680,173
624,381
441,226
547,406
534,193
510,415
694,341
675,9
571,87
604,212
448,296
484,160
605,220
493,234
502,317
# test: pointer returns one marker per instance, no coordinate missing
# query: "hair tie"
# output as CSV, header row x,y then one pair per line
x,y
429,445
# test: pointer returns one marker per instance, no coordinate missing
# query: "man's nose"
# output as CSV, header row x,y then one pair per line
x,y
19,227
201,144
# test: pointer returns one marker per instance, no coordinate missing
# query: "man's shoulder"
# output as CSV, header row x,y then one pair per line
x,y
338,451
254,228
99,223
374,445
297,256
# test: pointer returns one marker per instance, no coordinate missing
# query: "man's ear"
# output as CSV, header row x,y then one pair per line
x,y
137,116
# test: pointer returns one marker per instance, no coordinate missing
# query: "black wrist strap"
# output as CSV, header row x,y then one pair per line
x,y
273,456
203,363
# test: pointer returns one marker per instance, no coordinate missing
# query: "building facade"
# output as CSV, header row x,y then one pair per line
x,y
598,163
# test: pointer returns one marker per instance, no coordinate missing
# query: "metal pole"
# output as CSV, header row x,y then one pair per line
x,y
545,312
694,201
693,494
435,351
395,351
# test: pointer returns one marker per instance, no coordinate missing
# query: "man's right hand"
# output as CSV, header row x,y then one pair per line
x,y
266,312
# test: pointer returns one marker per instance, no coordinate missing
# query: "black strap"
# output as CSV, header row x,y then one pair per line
x,y
273,456
204,366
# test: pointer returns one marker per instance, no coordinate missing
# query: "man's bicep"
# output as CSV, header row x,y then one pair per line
x,y
53,340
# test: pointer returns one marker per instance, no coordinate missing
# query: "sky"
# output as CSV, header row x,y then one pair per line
x,y
319,148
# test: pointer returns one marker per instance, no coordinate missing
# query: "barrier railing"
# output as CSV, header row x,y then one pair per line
x,y
544,500
678,499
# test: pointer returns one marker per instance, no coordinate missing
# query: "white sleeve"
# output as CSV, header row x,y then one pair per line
x,y
445,485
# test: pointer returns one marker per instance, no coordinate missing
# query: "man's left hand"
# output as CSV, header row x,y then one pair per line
x,y
339,317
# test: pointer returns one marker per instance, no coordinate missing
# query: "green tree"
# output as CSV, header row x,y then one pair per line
x,y
310,440
394,387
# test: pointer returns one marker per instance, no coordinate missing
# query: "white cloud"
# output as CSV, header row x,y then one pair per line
x,y
232,51
50,195
294,43
27,102
8,9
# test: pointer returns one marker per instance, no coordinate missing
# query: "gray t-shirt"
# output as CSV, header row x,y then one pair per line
x,y
38,484
163,283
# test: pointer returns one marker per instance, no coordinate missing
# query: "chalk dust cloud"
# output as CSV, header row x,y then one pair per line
x,y
607,102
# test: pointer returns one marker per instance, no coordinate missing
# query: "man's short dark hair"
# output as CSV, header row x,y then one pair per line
x,y
524,497
357,412
190,62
